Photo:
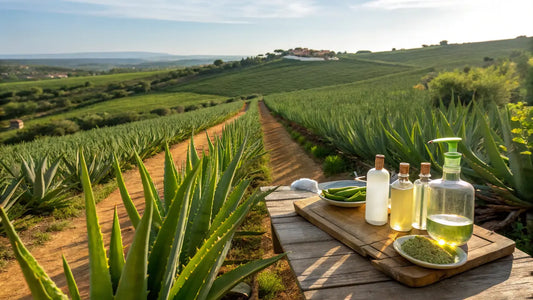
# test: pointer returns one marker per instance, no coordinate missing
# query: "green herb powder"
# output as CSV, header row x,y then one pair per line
x,y
424,249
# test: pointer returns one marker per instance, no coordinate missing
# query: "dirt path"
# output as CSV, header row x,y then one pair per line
x,y
288,162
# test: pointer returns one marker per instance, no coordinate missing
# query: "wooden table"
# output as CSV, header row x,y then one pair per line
x,y
326,269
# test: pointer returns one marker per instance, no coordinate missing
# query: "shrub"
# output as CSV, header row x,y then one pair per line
x,y
269,284
497,83
320,151
162,111
333,164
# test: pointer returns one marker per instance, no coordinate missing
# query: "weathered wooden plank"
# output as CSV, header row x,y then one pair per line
x,y
284,195
502,279
300,232
349,227
316,249
280,188
281,209
336,270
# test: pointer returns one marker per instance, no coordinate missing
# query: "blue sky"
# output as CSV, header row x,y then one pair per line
x,y
250,27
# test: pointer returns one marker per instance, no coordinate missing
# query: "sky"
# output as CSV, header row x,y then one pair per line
x,y
251,27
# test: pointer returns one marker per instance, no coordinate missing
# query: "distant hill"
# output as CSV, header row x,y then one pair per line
x,y
101,61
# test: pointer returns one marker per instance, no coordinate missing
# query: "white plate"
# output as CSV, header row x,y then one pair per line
x,y
460,257
341,203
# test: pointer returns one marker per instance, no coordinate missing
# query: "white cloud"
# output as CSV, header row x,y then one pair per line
x,y
202,11
404,4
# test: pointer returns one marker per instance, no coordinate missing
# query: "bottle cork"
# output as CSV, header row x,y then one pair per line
x,y
380,161
404,168
425,167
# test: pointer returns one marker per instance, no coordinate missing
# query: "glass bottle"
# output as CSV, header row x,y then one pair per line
x,y
377,193
450,212
421,196
401,200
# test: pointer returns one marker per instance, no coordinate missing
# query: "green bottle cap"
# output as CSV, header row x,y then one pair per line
x,y
452,158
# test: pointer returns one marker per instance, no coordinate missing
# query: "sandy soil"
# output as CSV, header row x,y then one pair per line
x,y
288,162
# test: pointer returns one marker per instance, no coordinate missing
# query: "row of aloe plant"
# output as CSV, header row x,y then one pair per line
x,y
362,121
49,167
180,241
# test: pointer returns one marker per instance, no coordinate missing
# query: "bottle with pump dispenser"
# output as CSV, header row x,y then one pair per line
x,y
450,211
377,193
421,196
401,199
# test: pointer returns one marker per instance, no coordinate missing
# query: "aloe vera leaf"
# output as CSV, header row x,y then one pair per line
x,y
149,188
170,180
521,164
133,214
50,173
40,285
194,154
224,185
133,283
100,280
71,282
500,167
196,272
228,280
116,252
172,232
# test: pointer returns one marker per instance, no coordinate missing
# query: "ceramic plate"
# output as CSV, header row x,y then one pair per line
x,y
341,203
460,257
339,184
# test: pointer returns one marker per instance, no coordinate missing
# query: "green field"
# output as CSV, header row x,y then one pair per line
x,y
450,56
139,103
74,81
287,75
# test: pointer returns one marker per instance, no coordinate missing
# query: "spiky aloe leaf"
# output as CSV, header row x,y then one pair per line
x,y
224,185
162,260
199,273
71,283
41,286
116,252
520,163
133,214
230,204
228,280
100,280
133,282
500,166
170,181
6,198
149,188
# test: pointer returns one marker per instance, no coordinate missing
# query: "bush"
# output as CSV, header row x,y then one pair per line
x,y
269,284
333,164
162,111
320,151
497,83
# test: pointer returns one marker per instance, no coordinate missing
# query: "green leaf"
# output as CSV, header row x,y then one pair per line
x,y
133,282
133,214
116,252
41,286
71,283
100,280
149,188
160,266
170,181
228,280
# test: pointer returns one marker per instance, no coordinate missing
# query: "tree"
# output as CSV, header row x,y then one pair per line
x,y
218,62
444,43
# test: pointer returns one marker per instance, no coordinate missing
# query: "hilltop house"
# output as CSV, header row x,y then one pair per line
x,y
16,124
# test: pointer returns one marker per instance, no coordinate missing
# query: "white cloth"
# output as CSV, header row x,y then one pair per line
x,y
305,184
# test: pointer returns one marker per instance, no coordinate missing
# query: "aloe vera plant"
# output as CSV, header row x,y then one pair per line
x,y
178,256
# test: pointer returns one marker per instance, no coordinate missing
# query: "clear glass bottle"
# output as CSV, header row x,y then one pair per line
x,y
450,212
401,200
421,196
377,193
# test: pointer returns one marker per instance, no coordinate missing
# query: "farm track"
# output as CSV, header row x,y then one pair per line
x,y
288,162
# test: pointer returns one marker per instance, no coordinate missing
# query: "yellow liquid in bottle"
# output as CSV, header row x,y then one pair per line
x,y
401,216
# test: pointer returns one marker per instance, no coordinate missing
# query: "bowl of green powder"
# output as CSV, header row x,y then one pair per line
x,y
425,252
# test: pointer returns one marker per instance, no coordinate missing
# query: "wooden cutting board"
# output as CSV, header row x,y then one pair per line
x,y
348,226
